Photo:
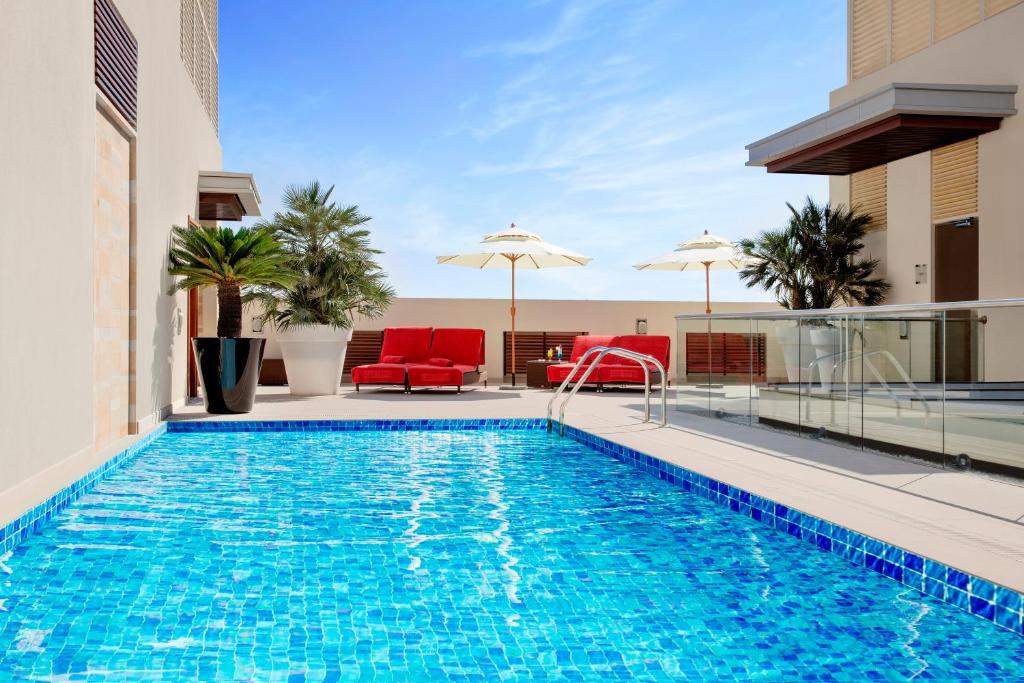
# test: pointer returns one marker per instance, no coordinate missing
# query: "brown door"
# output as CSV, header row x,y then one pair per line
x,y
956,279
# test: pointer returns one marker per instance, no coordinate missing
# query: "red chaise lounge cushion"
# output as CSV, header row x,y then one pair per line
x,y
580,345
410,344
618,370
462,348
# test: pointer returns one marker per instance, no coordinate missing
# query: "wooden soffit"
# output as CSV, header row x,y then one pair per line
x,y
225,196
894,122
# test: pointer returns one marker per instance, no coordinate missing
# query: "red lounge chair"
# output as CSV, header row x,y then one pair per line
x,y
402,346
462,348
619,370
615,369
580,345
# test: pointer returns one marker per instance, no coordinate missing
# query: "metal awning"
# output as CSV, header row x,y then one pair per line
x,y
225,196
897,121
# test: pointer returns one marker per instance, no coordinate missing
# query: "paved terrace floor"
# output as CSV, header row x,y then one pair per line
x,y
964,520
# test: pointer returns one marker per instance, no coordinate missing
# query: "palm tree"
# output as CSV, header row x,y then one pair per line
x,y
338,276
228,260
812,262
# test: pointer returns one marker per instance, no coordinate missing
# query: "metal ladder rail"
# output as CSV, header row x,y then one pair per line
x,y
601,352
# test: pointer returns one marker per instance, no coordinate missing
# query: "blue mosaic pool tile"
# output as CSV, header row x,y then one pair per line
x,y
978,596
1008,599
957,578
206,426
31,521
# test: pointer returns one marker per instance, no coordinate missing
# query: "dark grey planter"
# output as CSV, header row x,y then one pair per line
x,y
229,371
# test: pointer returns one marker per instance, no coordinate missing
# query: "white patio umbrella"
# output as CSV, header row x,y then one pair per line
x,y
511,248
708,251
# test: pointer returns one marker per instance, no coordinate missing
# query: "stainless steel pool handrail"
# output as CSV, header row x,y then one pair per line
x,y
601,351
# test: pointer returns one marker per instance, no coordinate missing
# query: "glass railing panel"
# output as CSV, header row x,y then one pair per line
x,y
775,382
938,383
984,390
730,360
825,359
901,387
693,375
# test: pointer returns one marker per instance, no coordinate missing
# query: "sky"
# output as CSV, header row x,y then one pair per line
x,y
612,128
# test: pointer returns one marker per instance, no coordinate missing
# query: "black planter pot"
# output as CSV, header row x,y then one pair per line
x,y
229,370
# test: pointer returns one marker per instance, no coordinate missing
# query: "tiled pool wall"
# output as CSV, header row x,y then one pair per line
x,y
403,425
1000,605
27,524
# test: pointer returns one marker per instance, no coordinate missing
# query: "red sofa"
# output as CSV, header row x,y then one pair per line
x,y
462,349
401,346
615,369
426,357
580,345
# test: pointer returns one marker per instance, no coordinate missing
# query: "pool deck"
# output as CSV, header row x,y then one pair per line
x,y
967,521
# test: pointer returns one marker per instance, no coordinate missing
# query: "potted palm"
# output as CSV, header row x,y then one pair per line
x,y
812,263
228,364
338,280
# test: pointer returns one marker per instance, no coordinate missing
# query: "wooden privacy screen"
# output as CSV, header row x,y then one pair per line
x,y
117,59
363,349
730,353
868,195
534,345
955,180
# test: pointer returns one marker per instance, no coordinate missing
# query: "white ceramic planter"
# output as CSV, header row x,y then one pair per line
x,y
826,342
791,338
801,348
314,357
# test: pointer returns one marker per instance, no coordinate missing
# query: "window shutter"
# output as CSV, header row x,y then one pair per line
x,y
953,16
911,30
868,195
955,180
117,59
996,6
199,51
869,35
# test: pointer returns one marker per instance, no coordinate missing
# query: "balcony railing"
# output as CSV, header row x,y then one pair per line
x,y
940,382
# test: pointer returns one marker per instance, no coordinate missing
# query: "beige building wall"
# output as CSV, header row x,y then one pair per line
x,y
48,178
552,315
988,50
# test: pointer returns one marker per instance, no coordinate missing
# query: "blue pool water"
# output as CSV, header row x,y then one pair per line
x,y
460,555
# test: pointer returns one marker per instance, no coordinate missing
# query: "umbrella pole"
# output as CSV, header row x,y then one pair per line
x,y
513,311
707,288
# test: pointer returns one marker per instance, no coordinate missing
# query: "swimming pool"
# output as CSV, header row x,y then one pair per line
x,y
448,553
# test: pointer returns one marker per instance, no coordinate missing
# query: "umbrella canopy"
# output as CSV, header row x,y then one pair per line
x,y
515,247
708,252
511,248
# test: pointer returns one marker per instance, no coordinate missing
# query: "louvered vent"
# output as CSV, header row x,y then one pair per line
x,y
955,180
117,60
869,35
868,195
911,27
199,51
953,16
996,6
884,31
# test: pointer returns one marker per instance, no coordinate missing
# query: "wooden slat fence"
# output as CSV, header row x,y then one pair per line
x,y
363,349
730,353
534,345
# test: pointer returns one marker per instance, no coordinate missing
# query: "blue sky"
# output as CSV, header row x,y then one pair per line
x,y
616,129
